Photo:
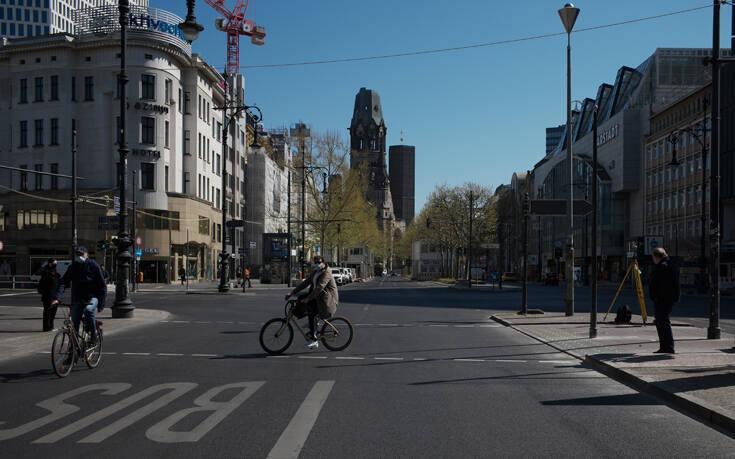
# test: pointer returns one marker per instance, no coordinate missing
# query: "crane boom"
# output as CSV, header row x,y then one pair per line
x,y
235,26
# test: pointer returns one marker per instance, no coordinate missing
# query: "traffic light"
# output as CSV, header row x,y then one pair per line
x,y
103,244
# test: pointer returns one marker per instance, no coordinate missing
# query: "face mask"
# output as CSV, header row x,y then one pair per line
x,y
319,267
79,259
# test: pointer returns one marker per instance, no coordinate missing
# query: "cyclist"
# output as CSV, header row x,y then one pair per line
x,y
88,290
322,298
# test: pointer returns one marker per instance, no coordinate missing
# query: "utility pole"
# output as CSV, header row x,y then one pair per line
x,y
288,241
224,279
593,303
74,241
526,211
134,237
713,331
469,242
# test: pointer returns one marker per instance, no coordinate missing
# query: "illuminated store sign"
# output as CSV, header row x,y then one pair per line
x,y
145,21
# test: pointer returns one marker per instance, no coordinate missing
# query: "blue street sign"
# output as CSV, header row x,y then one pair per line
x,y
117,204
138,253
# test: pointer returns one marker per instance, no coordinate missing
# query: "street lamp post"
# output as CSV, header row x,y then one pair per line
x,y
526,211
123,306
713,331
568,16
593,303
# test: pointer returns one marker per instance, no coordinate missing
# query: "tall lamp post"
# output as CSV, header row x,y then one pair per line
x,y
568,16
713,331
593,291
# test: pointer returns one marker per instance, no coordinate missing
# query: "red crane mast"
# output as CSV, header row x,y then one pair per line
x,y
235,24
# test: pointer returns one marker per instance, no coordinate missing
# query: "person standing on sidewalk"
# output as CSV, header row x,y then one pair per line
x,y
664,291
182,274
247,277
47,286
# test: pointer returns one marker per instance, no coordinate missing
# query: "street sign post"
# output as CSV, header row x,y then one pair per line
x,y
138,254
558,207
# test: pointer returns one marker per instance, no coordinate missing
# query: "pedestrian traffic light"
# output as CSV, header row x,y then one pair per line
x,y
102,244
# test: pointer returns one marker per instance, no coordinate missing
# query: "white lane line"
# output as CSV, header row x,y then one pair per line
x,y
292,439
387,358
44,352
109,353
388,325
490,326
136,353
464,326
361,325
350,358
201,322
278,356
418,358
509,361
468,360
312,357
166,354
560,361
225,322
204,355
180,321
18,294
438,325
164,321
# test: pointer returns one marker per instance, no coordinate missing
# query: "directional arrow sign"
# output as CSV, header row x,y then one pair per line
x,y
558,207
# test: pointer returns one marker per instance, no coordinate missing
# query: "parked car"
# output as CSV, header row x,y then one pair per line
x,y
510,277
61,267
340,277
551,278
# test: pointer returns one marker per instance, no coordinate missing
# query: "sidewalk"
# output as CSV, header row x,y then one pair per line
x,y
699,379
21,335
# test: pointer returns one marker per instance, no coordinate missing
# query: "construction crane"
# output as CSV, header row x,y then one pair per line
x,y
235,24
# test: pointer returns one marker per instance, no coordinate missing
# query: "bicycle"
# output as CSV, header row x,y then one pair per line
x,y
276,335
69,345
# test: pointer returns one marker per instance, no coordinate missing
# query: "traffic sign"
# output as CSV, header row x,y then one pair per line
x,y
235,223
138,240
117,204
252,244
138,253
558,207
652,242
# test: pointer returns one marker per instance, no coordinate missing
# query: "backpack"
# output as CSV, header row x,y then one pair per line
x,y
624,315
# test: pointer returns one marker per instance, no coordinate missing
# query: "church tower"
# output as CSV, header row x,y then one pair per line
x,y
367,147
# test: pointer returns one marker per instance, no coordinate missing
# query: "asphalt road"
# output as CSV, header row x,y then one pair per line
x,y
427,375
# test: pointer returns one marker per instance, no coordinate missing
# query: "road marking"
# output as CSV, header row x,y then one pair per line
x,y
464,326
176,390
224,322
201,322
219,410
468,360
559,361
136,353
180,321
165,354
510,361
419,358
58,409
312,357
388,325
45,352
292,439
164,321
438,325
490,325
387,358
17,294
204,355
350,358
278,356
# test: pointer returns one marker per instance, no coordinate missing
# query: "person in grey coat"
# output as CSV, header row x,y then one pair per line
x,y
322,299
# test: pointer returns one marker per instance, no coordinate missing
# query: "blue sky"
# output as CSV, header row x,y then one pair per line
x,y
474,115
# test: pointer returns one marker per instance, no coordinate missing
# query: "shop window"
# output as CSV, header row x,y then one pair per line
x,y
203,225
37,218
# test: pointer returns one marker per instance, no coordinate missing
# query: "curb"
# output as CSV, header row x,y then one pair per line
x,y
685,403
688,404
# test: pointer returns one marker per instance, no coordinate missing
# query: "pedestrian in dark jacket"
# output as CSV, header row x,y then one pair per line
x,y
664,291
47,286
182,274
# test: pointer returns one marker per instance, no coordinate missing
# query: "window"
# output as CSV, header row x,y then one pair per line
x,y
23,91
73,88
166,132
54,131
54,179
37,218
24,178
165,177
39,133
54,87
219,233
88,88
683,169
216,203
167,92
187,103
148,87
38,177
199,145
676,200
203,225
23,134
181,108
219,131
148,130
676,173
187,142
39,90
147,176
158,220
199,106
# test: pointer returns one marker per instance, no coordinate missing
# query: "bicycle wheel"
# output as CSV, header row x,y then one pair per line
x,y
336,334
93,354
276,336
63,353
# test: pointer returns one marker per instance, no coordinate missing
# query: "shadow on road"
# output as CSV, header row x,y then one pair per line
x,y
606,400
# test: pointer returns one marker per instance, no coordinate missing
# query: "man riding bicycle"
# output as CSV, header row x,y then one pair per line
x,y
88,290
322,298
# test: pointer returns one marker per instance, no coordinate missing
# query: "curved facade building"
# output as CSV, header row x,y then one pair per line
x,y
57,83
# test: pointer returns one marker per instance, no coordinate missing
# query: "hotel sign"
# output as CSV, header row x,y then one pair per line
x,y
607,135
145,21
